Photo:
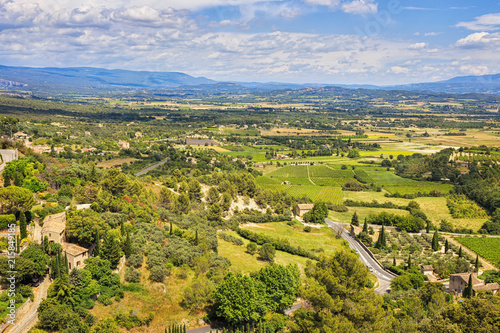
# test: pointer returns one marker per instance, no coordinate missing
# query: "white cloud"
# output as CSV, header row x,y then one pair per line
x,y
486,22
417,46
398,70
329,3
427,34
360,7
14,14
474,70
480,40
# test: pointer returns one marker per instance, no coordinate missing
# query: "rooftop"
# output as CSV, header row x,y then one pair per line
x,y
73,249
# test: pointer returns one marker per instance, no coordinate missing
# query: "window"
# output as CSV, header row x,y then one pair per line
x,y
69,265
77,263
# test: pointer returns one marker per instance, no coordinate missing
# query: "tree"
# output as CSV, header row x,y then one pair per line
x,y
111,250
435,241
239,299
477,263
182,204
214,213
428,226
460,255
317,214
409,262
115,181
127,246
14,199
212,195
267,252
365,226
22,225
468,290
226,201
281,285
167,197
341,302
353,153
83,226
381,241
97,249
446,246
251,248
355,220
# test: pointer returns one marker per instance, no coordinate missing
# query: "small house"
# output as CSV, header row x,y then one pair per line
x,y
54,227
301,209
75,254
426,269
458,282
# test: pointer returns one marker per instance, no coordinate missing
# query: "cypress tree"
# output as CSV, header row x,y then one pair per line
x,y
394,261
435,241
355,220
122,229
409,261
66,263
381,242
446,246
22,225
58,265
477,263
111,250
127,247
460,252
97,249
468,290
428,226
365,226
171,228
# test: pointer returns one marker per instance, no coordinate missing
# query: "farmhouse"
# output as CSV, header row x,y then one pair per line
x,y
75,254
301,209
54,227
426,269
458,282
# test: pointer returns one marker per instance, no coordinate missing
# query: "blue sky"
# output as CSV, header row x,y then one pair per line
x,y
319,41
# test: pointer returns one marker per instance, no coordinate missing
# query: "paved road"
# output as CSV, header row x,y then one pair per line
x,y
8,155
152,167
27,320
384,277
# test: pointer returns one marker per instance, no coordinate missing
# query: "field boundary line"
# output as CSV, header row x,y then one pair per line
x,y
487,265
309,176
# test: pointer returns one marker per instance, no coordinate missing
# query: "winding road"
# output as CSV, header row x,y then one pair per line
x,y
26,320
143,171
384,277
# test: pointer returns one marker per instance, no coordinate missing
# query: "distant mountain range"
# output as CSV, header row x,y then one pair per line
x,y
88,79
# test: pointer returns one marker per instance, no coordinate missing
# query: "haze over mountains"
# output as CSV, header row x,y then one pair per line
x,y
82,79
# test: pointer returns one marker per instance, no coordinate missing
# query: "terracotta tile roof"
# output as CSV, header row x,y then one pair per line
x,y
305,206
427,267
73,249
55,223
487,287
465,278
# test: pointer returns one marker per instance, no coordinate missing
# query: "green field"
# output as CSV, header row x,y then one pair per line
x,y
242,262
317,193
362,212
488,248
319,238
290,171
422,187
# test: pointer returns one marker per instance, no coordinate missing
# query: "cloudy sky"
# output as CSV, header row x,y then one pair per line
x,y
323,41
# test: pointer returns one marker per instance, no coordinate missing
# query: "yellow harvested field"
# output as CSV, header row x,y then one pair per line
x,y
116,161
288,131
